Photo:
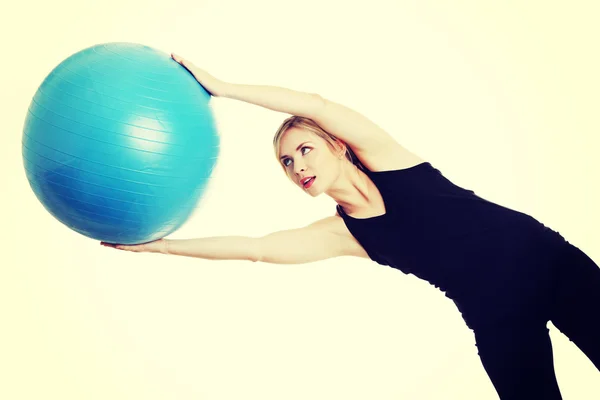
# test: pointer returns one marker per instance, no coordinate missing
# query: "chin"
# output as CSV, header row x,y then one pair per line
x,y
311,193
314,193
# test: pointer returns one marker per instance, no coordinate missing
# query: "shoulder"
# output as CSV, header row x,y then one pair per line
x,y
334,224
337,230
388,158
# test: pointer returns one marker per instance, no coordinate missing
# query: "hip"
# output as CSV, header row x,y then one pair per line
x,y
509,273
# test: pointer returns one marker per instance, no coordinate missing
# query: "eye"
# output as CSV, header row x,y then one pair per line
x,y
285,161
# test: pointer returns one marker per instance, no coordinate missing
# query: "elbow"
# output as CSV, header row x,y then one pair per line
x,y
317,106
254,250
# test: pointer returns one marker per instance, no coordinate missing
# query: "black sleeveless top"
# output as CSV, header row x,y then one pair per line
x,y
434,229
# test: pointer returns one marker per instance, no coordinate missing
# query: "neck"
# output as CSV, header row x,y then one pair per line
x,y
351,189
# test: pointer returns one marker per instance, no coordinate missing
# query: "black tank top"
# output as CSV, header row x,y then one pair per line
x,y
433,228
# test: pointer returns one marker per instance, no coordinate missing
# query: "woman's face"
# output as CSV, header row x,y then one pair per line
x,y
304,154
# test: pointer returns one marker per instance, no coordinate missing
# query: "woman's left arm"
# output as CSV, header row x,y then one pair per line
x,y
359,132
276,98
272,97
355,129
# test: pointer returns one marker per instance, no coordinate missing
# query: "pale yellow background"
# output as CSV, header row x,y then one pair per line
x,y
502,97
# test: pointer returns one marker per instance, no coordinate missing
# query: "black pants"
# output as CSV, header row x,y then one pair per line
x,y
517,353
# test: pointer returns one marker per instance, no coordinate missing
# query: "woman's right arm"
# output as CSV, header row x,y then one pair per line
x,y
210,248
315,242
213,248
311,243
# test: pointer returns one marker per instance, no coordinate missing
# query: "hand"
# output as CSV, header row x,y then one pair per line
x,y
212,85
156,246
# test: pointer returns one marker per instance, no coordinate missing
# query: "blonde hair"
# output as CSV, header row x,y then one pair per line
x,y
310,125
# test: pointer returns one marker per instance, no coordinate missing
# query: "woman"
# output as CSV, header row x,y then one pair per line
x,y
507,273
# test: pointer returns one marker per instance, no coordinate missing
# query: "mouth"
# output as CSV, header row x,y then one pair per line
x,y
309,182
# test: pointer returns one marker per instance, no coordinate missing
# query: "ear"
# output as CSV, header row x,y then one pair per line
x,y
342,149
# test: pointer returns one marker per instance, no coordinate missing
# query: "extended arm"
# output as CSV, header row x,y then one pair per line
x,y
214,248
314,242
365,137
311,243
355,129
276,98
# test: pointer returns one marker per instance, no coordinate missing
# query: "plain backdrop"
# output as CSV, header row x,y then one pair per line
x,y
501,97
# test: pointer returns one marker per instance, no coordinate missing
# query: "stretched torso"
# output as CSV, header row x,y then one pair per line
x,y
478,252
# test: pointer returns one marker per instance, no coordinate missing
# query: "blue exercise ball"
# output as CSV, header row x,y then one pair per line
x,y
119,143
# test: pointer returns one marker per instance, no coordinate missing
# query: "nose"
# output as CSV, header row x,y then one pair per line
x,y
299,166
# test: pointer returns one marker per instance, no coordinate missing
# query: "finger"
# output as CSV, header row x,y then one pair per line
x,y
178,58
188,65
138,248
116,246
